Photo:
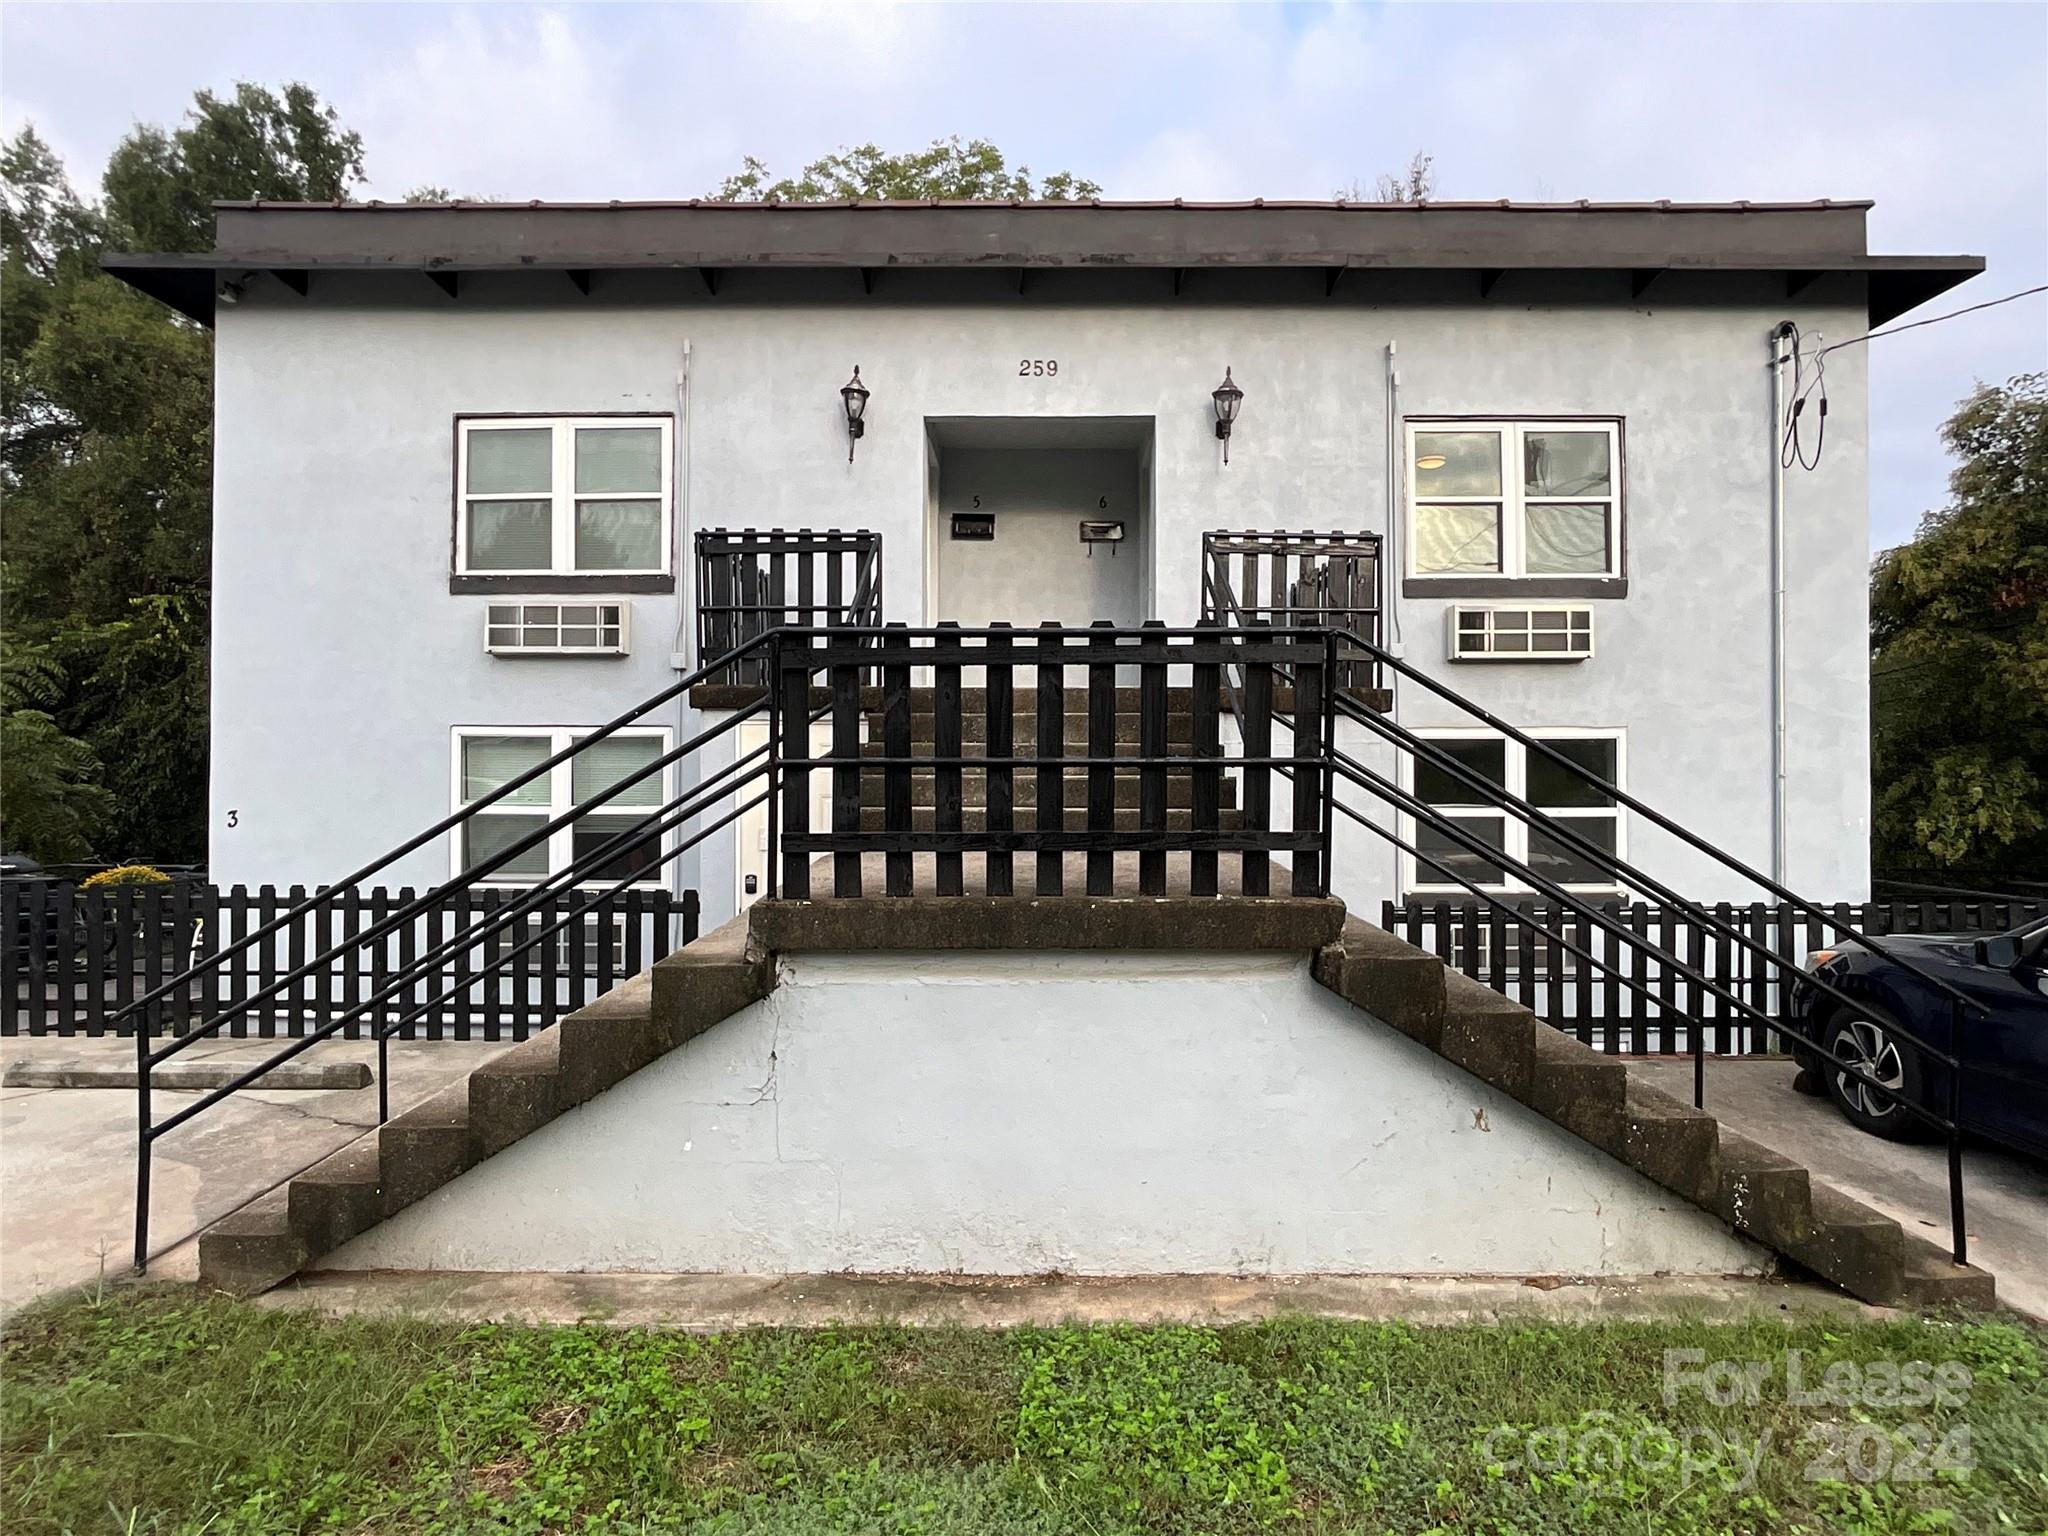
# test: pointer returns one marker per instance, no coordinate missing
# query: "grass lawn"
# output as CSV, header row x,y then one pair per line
x,y
148,1412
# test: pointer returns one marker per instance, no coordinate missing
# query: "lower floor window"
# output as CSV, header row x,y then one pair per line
x,y
489,757
1555,790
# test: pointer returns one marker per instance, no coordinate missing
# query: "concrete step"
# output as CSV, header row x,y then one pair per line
x,y
1126,785
1934,1279
254,1248
1075,732
924,818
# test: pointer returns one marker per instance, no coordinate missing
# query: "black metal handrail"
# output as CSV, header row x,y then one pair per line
x,y
655,826
1628,875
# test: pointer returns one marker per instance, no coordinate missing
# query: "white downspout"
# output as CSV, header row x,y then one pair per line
x,y
1397,560
1778,359
679,656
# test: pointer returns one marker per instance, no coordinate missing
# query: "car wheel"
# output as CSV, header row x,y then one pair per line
x,y
1873,1043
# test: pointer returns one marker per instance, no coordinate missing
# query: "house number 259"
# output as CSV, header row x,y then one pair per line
x,y
1038,368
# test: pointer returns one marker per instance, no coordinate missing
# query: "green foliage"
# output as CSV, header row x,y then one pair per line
x,y
50,796
160,187
157,1413
948,169
1959,677
106,461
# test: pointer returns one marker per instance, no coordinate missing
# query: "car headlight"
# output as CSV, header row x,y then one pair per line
x,y
1820,957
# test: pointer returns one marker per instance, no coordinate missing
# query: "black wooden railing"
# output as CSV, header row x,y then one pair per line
x,y
1313,580
1527,961
1090,828
76,960
754,580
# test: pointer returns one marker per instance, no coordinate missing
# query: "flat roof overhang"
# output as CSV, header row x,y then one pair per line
x,y
1799,241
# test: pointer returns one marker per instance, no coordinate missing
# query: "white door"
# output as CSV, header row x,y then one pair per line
x,y
752,864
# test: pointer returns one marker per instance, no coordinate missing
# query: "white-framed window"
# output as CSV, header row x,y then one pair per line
x,y
1514,498
563,496
558,628
485,757
1557,792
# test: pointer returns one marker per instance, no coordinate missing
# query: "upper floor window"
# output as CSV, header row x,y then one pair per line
x,y
1537,499
581,495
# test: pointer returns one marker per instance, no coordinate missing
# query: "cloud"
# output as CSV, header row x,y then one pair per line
x,y
1936,111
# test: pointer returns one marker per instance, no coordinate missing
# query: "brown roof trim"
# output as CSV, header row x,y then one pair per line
x,y
1581,205
1801,241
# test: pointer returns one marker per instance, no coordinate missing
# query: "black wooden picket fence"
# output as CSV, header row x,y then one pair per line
x,y
73,959
1526,962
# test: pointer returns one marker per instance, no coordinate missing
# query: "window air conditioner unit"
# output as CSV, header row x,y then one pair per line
x,y
1522,632
558,629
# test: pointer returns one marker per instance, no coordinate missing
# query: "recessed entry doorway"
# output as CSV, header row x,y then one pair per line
x,y
1038,518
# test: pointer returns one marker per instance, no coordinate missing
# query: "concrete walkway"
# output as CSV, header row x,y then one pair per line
x,y
67,1155
2005,1194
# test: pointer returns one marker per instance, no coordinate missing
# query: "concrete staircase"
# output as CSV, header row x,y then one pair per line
x,y
1757,1191
1754,1190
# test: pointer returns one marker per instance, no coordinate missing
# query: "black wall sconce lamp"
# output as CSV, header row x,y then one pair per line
x,y
855,397
1228,398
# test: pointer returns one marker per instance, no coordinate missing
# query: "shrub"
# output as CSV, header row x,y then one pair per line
x,y
124,874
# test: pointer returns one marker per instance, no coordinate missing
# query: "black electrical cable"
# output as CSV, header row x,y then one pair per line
x,y
1790,449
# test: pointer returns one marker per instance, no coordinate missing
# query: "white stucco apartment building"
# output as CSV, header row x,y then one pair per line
x,y
463,451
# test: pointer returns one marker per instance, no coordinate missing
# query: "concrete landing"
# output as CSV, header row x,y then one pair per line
x,y
716,1303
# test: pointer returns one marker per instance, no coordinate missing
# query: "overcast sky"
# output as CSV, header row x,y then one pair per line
x,y
1939,112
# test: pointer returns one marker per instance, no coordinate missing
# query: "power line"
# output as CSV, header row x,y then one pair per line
x,y
1893,330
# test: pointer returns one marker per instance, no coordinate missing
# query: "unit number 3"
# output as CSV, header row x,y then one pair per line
x,y
1038,367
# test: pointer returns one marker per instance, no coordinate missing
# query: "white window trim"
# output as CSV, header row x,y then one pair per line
x,y
1517,830
1512,500
561,842
562,492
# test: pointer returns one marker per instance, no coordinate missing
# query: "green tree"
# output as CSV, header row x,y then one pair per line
x,y
1959,675
50,797
948,169
160,187
106,464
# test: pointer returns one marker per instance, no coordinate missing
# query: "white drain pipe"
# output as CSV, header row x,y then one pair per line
x,y
1778,358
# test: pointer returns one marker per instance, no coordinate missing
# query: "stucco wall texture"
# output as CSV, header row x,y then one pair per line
x,y
1013,1114
341,660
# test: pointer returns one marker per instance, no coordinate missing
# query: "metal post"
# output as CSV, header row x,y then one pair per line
x,y
142,1144
1699,1058
1955,1131
774,761
383,1076
1329,763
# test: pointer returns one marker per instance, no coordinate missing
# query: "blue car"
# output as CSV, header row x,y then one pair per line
x,y
2004,1036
